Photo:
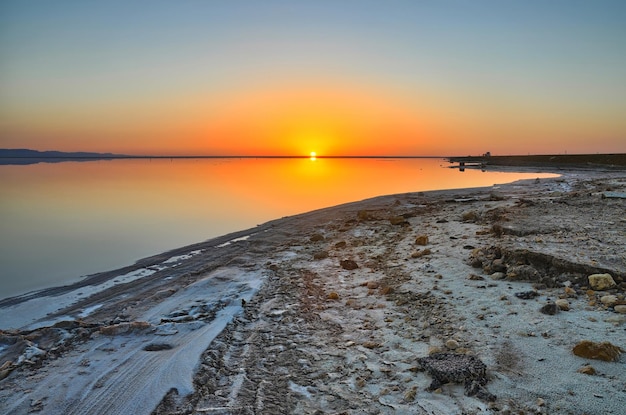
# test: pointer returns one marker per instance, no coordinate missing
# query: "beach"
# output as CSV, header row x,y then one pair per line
x,y
446,302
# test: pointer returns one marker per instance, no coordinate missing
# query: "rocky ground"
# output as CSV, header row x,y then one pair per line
x,y
468,301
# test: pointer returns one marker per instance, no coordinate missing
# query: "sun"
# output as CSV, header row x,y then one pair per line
x,y
313,154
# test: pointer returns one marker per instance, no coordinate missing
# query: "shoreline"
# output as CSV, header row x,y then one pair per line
x,y
278,293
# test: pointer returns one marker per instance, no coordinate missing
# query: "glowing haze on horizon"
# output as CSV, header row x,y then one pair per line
x,y
344,77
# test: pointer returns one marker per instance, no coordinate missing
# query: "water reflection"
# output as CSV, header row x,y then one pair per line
x,y
61,221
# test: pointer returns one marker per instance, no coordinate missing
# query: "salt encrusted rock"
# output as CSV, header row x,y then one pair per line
x,y
601,282
609,300
563,304
122,328
599,351
421,240
458,368
621,308
333,296
348,264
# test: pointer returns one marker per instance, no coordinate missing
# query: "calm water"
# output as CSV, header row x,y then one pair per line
x,y
65,220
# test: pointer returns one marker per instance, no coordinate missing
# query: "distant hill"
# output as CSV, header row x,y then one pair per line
x,y
23,152
26,156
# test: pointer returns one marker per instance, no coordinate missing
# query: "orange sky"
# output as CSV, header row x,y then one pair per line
x,y
288,78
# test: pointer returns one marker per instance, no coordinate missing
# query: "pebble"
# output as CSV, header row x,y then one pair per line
x,y
587,370
620,309
549,309
609,300
563,304
498,276
452,344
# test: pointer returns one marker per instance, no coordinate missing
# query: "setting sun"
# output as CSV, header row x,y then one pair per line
x,y
313,154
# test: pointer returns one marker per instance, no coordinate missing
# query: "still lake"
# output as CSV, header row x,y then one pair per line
x,y
61,221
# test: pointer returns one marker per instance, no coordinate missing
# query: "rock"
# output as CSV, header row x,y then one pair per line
x,y
320,255
475,277
527,295
470,216
599,351
563,304
340,244
6,369
157,347
620,309
348,264
457,368
587,370
421,240
570,292
452,344
498,276
398,220
316,238
601,282
549,309
419,254
364,215
372,285
122,328
609,300
333,296
497,265
371,345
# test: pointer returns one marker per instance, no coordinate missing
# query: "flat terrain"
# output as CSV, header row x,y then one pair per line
x,y
344,311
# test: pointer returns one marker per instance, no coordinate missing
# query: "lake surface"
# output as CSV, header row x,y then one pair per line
x,y
61,221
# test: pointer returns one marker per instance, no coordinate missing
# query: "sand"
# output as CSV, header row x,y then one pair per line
x,y
328,312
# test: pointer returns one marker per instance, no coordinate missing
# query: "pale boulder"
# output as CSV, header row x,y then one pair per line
x,y
600,282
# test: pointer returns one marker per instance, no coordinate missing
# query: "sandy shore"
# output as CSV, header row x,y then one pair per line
x,y
354,309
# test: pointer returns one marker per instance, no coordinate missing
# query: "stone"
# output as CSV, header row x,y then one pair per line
x,y
340,244
316,238
527,295
621,308
563,304
398,220
348,264
470,216
498,265
458,368
609,300
372,285
421,240
157,347
320,255
599,351
6,369
601,282
452,344
549,309
587,370
333,296
364,215
371,345
498,276
475,277
419,254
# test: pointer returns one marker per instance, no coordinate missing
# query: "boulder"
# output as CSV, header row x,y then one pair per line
x,y
599,351
601,282
421,240
348,264
563,304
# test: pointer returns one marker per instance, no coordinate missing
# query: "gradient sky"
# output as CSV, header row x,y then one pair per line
x,y
336,77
